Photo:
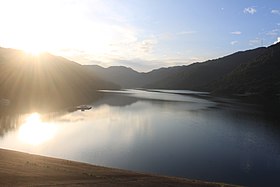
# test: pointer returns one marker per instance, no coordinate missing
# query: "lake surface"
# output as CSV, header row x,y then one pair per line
x,y
177,133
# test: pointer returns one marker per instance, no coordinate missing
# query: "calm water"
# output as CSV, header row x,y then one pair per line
x,y
180,134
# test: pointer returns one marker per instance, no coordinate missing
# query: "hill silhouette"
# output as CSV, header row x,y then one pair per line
x,y
45,81
259,76
199,76
253,71
128,78
123,76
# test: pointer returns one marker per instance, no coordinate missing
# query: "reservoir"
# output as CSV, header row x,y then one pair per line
x,y
167,132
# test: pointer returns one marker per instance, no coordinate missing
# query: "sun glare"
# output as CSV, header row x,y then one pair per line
x,y
35,132
31,50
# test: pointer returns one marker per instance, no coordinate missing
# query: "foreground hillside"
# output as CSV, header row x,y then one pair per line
x,y
45,80
21,169
253,71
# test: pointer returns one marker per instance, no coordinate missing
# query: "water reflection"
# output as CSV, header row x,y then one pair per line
x,y
156,132
162,95
9,123
36,132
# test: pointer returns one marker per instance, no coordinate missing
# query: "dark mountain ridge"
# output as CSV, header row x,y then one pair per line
x,y
200,76
120,75
252,71
28,80
258,76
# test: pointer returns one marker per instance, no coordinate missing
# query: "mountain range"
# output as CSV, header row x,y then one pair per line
x,y
46,80
255,71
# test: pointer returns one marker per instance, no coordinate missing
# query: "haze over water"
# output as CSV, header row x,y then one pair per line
x,y
187,134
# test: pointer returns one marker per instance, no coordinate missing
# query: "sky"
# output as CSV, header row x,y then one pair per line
x,y
141,34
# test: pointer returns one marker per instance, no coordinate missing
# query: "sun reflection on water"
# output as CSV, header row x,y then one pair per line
x,y
34,131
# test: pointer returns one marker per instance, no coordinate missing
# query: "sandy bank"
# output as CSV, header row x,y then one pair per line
x,y
22,169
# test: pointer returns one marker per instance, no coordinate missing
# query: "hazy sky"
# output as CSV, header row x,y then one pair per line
x,y
142,34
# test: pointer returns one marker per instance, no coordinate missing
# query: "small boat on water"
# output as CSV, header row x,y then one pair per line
x,y
81,107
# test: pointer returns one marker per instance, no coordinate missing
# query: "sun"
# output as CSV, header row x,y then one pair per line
x,y
63,28
34,50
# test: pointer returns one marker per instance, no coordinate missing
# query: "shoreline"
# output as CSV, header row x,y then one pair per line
x,y
24,169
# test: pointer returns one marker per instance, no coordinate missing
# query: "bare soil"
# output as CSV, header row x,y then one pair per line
x,y
22,169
